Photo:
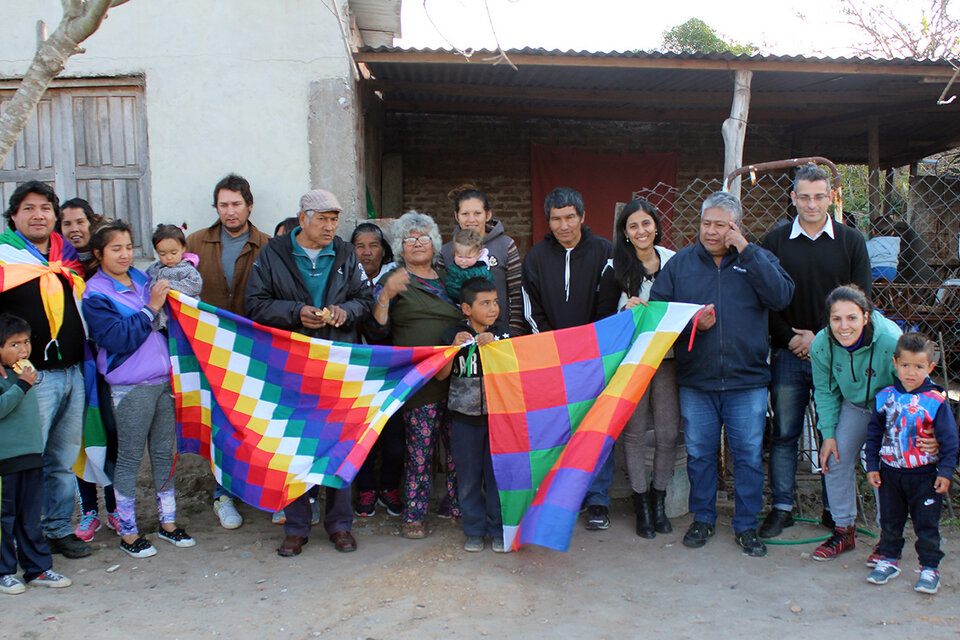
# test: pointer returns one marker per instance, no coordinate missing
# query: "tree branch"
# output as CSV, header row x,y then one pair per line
x,y
80,20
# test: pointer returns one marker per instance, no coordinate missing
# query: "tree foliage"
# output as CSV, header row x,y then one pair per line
x,y
926,31
81,18
696,36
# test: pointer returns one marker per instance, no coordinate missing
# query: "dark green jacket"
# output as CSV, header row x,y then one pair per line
x,y
418,318
21,441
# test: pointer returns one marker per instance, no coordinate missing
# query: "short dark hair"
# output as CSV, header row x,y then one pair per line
x,y
473,287
563,197
916,342
105,232
233,182
11,325
79,203
168,232
21,192
467,192
811,173
286,225
369,227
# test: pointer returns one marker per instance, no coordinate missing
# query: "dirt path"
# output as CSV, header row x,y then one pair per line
x,y
610,584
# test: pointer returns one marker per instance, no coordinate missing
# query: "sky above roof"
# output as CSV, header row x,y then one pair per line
x,y
779,27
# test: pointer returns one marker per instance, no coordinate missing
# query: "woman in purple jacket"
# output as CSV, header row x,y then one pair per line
x,y
119,307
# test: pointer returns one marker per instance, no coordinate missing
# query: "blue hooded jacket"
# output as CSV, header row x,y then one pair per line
x,y
732,355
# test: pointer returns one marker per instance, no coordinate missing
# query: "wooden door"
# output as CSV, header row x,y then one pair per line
x,y
88,142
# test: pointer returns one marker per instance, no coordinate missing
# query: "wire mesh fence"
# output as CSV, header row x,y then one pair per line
x,y
910,219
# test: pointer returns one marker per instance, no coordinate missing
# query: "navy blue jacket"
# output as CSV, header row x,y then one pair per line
x,y
732,355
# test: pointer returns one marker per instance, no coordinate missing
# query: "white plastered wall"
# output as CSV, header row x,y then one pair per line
x,y
227,88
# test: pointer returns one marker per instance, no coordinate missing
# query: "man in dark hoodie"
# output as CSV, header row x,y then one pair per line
x,y
561,276
723,379
309,281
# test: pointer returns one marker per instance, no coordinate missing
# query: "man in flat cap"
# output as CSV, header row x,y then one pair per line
x,y
310,281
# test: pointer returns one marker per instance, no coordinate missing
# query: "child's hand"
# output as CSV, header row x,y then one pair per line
x,y
634,301
29,376
873,477
461,337
484,338
941,485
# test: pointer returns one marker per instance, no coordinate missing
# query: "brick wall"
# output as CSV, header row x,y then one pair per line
x,y
440,152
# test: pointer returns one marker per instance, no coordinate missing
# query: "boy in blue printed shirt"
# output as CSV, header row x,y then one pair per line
x,y
911,482
469,433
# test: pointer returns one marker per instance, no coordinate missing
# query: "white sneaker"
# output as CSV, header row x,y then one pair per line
x,y
10,584
51,578
230,518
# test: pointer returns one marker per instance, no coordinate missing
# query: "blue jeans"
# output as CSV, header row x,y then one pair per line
x,y
743,412
597,492
476,484
62,400
790,387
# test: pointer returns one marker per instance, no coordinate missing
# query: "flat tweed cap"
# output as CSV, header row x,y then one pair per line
x,y
319,200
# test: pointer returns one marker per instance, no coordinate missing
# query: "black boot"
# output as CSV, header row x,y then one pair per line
x,y
641,503
660,521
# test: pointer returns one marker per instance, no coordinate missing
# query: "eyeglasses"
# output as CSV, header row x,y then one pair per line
x,y
419,241
820,198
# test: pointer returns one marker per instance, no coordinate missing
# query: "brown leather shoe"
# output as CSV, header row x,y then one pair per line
x,y
343,541
291,546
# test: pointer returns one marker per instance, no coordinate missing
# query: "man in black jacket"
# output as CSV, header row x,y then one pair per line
x,y
310,281
819,256
561,277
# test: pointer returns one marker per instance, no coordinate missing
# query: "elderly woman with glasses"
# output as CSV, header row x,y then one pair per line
x,y
413,309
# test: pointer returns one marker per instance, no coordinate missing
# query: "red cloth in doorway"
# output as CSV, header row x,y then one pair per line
x,y
604,179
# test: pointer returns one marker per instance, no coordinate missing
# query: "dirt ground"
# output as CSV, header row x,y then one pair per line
x,y
610,584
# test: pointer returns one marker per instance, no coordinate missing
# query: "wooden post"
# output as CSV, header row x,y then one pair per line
x,y
873,167
734,128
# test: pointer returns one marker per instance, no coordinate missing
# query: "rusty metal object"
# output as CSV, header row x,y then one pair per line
x,y
753,169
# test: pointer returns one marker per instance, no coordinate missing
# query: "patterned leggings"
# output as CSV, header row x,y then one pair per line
x,y
421,426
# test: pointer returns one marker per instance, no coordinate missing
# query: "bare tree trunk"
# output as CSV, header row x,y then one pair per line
x,y
80,20
734,129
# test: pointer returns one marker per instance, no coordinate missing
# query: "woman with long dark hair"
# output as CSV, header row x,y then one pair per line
x,y
637,260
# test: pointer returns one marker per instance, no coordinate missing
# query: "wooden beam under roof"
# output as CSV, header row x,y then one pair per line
x,y
650,97
644,62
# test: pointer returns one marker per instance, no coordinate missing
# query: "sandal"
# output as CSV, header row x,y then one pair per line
x,y
413,530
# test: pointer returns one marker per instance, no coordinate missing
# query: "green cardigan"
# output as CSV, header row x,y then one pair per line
x,y
418,318
21,440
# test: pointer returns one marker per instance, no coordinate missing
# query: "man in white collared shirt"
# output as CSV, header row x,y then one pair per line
x,y
819,255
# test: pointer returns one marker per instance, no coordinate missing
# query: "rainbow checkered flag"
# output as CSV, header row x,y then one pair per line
x,y
276,412
556,402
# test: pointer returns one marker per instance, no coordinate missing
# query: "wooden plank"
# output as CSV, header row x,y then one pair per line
x,y
103,126
133,81
120,202
79,131
109,204
873,166
618,62
82,191
95,195
31,140
92,129
45,122
94,173
63,154
117,156
25,175
129,130
883,94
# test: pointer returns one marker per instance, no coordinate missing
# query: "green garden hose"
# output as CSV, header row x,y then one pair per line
x,y
817,538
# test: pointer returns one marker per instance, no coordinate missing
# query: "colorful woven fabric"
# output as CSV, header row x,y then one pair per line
x,y
20,262
556,403
91,464
277,412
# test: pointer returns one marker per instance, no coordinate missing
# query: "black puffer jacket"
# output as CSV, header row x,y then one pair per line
x,y
276,292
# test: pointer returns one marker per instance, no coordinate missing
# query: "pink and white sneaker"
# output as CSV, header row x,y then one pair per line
x,y
113,521
89,524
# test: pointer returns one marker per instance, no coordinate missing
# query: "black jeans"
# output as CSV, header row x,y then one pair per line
x,y
390,445
338,512
20,536
910,493
88,496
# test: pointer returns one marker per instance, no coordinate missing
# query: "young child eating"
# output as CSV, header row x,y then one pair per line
x,y
21,466
911,482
